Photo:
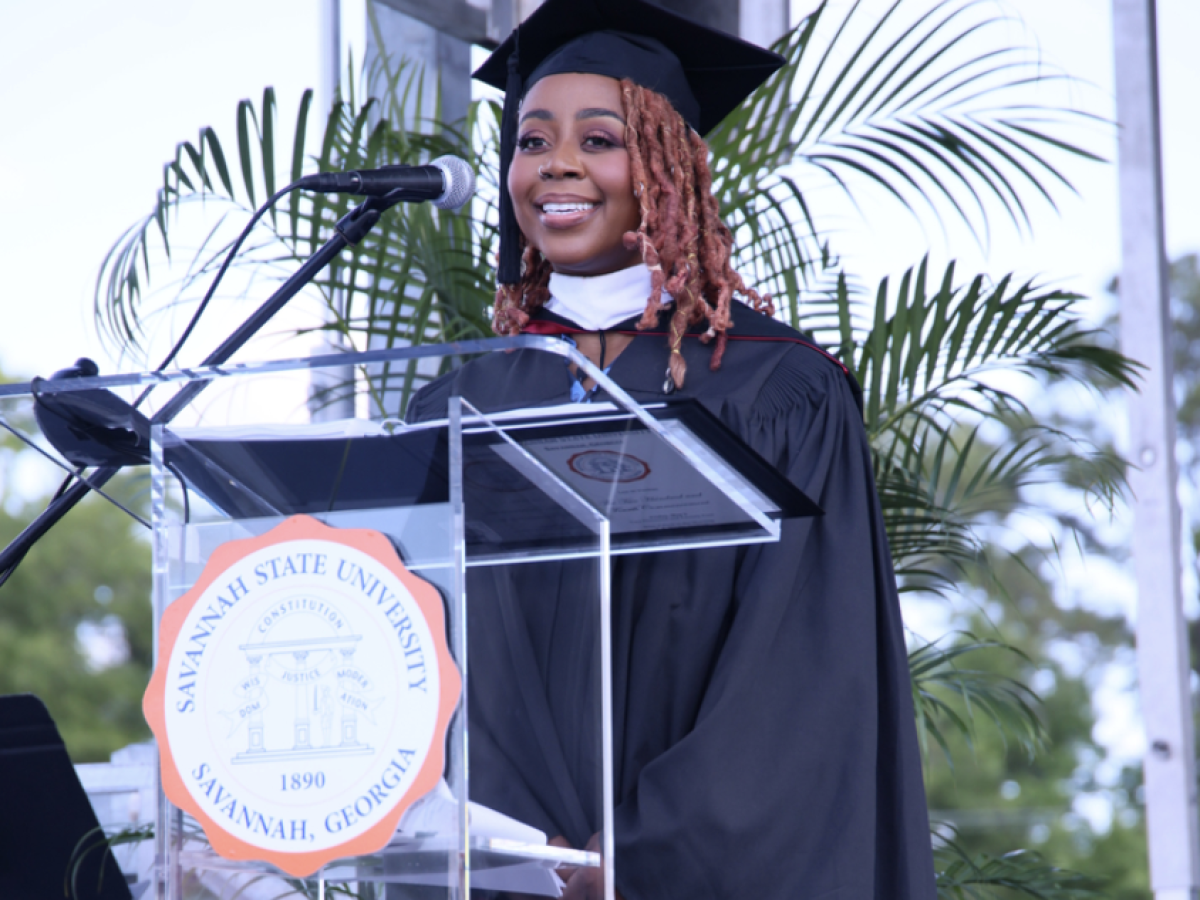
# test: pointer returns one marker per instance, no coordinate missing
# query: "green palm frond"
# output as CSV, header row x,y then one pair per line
x,y
937,344
938,483
777,235
932,110
929,541
951,438
96,841
101,840
420,276
947,695
1022,873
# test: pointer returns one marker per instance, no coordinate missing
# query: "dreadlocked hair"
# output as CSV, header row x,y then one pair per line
x,y
681,237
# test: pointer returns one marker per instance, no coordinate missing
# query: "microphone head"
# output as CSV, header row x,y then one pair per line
x,y
460,182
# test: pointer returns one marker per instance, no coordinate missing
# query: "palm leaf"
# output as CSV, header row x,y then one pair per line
x,y
946,694
941,343
929,110
420,275
935,373
930,104
961,876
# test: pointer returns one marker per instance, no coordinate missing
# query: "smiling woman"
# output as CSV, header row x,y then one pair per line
x,y
581,214
764,743
570,179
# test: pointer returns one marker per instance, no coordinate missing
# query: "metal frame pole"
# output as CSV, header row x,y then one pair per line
x,y
330,36
331,395
1163,668
763,22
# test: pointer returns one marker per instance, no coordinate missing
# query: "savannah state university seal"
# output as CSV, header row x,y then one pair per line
x,y
302,694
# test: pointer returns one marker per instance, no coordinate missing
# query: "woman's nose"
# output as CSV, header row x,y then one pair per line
x,y
563,163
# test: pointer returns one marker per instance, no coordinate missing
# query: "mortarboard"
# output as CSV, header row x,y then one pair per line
x,y
704,73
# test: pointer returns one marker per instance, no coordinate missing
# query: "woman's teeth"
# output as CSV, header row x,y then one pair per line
x,y
562,208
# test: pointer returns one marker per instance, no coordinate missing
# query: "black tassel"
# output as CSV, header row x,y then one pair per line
x,y
509,271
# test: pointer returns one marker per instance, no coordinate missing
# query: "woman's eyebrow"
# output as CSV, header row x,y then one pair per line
x,y
590,113
543,114
596,112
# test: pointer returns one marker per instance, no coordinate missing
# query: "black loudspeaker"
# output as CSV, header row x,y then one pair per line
x,y
45,815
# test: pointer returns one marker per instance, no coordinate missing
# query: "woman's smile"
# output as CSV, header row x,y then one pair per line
x,y
570,177
565,210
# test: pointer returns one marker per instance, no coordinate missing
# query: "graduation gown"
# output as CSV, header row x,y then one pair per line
x,y
765,744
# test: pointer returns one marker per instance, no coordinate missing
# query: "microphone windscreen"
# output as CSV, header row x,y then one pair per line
x,y
460,182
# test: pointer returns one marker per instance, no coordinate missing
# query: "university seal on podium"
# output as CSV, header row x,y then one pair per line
x,y
302,694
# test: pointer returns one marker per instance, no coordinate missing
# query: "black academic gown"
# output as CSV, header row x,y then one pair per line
x,y
765,744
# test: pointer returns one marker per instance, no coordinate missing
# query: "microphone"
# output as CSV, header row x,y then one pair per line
x,y
449,182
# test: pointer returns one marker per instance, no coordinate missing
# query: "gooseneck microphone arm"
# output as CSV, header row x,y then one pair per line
x,y
350,229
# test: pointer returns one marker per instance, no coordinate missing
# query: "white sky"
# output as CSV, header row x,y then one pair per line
x,y
94,97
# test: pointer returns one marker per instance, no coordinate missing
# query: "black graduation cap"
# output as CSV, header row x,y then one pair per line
x,y
704,73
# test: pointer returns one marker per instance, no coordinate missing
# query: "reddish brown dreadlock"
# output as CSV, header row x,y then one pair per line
x,y
681,236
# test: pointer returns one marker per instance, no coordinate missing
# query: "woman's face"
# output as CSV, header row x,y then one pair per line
x,y
570,177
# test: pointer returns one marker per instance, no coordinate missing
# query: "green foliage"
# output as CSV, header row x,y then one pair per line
x,y
1019,873
935,363
89,574
941,686
93,569
998,794
419,276
930,109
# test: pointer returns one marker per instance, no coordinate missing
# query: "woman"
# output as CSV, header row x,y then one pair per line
x,y
764,737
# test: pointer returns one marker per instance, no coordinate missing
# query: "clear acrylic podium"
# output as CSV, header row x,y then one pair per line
x,y
514,519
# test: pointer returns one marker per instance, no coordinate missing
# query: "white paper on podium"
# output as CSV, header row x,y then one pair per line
x,y
436,815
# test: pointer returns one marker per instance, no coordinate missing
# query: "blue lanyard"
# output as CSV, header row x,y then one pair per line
x,y
580,394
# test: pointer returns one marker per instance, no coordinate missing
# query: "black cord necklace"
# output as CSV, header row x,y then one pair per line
x,y
582,394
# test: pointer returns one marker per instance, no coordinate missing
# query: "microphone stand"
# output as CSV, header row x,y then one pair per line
x,y
350,229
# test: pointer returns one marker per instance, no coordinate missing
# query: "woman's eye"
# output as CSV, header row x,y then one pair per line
x,y
599,141
530,142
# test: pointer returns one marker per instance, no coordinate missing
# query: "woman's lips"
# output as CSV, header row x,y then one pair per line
x,y
565,213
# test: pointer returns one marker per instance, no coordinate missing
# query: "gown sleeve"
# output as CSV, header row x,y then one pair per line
x,y
800,776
